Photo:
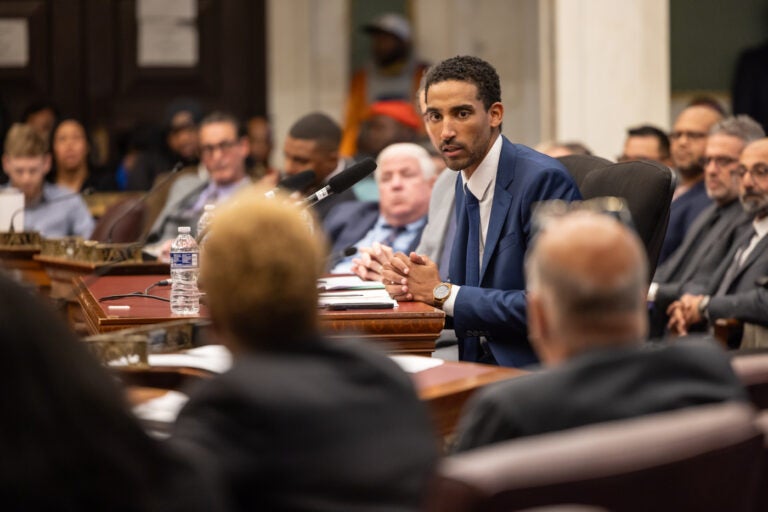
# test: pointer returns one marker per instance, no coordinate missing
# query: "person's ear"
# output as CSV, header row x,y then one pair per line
x,y
46,163
539,325
497,114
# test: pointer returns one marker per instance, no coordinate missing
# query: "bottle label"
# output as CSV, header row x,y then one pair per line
x,y
184,259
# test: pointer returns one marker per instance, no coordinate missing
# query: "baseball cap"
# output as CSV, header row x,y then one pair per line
x,y
390,23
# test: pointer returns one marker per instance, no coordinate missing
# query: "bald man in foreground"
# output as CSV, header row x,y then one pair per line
x,y
587,321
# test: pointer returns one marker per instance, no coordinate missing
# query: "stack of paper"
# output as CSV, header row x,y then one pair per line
x,y
351,292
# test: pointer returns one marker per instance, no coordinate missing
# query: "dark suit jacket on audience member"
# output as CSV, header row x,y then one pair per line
x,y
703,249
496,308
682,212
741,299
324,207
350,222
323,427
598,386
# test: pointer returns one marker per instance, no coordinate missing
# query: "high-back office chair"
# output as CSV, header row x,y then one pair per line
x,y
752,370
647,189
580,165
124,219
706,458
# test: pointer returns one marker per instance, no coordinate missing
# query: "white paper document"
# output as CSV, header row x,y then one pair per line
x,y
416,364
212,358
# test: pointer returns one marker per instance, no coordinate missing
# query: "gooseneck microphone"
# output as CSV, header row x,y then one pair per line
x,y
86,192
157,186
298,181
342,181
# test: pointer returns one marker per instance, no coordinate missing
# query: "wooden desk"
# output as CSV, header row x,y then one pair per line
x,y
62,271
444,388
21,260
412,328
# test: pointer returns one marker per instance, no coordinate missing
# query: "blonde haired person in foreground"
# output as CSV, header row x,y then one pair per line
x,y
298,423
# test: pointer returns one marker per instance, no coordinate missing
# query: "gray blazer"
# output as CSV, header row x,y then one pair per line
x,y
440,210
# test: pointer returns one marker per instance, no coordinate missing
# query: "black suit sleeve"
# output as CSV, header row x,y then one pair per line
x,y
485,422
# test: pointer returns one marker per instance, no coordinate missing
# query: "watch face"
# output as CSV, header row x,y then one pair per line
x,y
442,291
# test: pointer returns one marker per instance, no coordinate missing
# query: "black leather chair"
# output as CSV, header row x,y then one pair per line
x,y
752,370
580,165
123,222
706,458
647,189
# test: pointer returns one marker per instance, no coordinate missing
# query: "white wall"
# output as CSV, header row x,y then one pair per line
x,y
611,69
503,32
307,47
570,69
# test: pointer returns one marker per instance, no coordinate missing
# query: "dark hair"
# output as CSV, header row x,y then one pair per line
x,y
38,106
68,441
465,68
709,102
317,127
647,130
219,116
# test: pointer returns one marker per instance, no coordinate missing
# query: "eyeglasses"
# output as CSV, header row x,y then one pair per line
x,y
226,145
719,161
687,134
757,172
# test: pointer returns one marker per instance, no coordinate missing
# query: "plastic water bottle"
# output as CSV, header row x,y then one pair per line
x,y
185,255
204,223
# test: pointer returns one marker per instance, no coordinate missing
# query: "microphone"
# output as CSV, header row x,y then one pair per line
x,y
86,192
342,181
335,257
298,181
176,168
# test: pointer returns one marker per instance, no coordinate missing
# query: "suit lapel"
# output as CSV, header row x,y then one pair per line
x,y
502,200
754,255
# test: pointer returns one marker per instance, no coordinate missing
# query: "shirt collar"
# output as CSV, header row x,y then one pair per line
x,y
417,224
761,226
485,174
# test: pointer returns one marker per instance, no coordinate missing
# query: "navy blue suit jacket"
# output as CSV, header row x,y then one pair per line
x,y
496,309
349,222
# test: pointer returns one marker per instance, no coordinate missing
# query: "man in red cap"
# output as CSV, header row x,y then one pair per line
x,y
388,122
394,73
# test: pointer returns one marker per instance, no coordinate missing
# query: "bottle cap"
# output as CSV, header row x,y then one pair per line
x,y
209,207
184,229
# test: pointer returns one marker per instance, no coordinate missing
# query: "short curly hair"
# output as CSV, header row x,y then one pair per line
x,y
466,68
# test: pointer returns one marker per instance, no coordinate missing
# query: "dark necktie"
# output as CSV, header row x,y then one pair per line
x,y
394,232
473,238
734,267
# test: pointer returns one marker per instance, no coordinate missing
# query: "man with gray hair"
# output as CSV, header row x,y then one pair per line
x,y
587,321
712,234
405,175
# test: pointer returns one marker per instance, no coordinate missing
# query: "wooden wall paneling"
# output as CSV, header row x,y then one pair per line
x,y
22,85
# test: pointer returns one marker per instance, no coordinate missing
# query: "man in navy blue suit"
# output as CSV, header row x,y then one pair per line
x,y
500,183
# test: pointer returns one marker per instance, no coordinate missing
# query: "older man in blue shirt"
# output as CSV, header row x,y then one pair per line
x,y
405,175
48,208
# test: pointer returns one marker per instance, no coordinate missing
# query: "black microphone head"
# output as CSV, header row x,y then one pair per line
x,y
351,175
298,181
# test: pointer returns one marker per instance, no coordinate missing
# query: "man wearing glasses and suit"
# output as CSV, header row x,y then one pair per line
x,y
223,150
732,291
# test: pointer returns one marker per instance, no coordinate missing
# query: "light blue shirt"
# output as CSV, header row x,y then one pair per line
x,y
378,233
60,212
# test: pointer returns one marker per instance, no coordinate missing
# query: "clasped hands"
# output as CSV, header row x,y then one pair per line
x,y
406,278
684,313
